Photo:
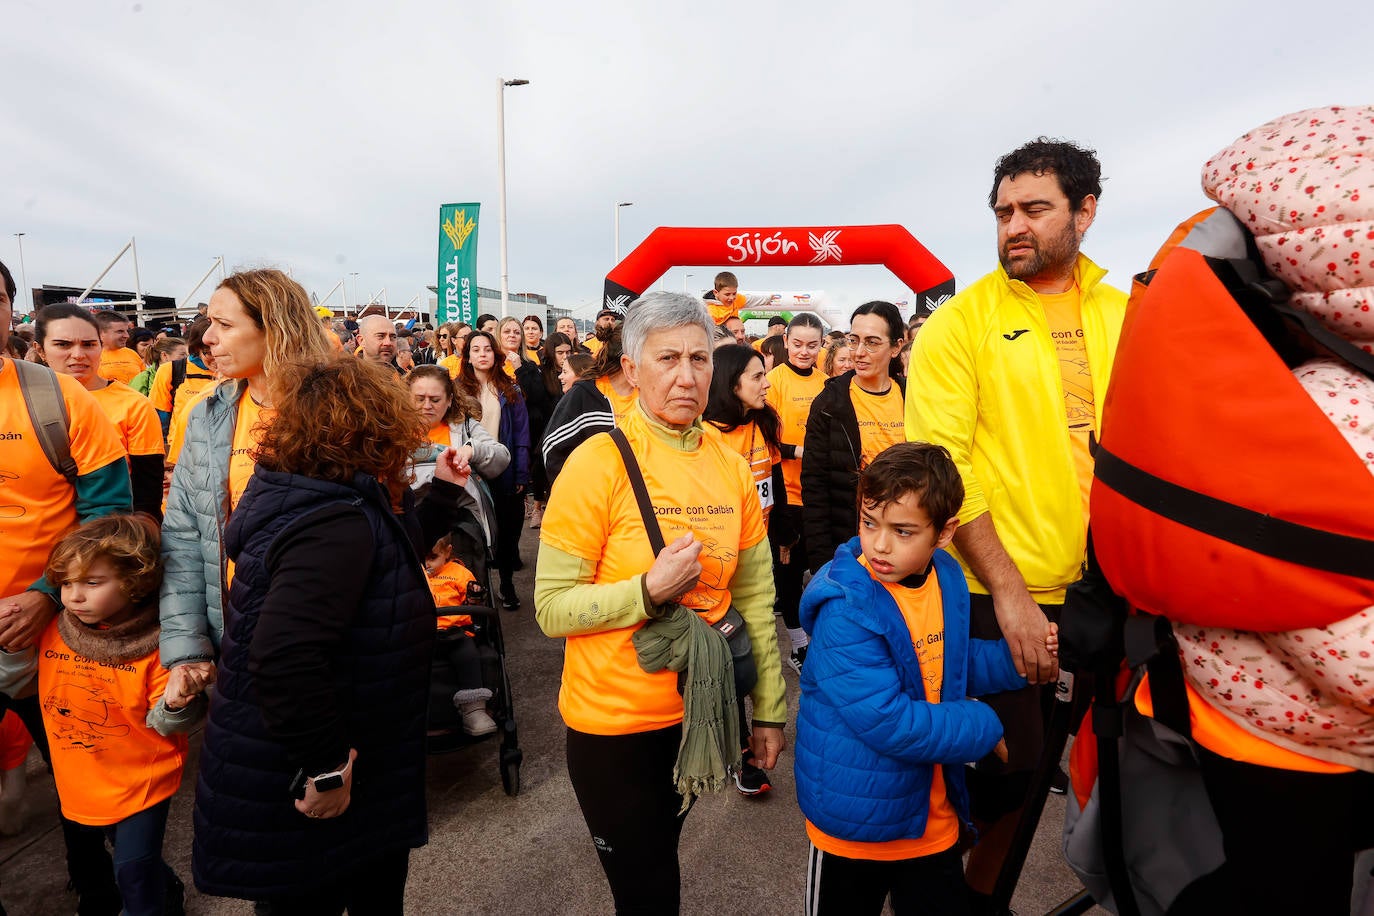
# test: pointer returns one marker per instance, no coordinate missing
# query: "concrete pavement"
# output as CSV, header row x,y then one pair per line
x,y
490,853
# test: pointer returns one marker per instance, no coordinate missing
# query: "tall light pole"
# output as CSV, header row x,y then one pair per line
x,y
685,278
628,203
501,168
354,275
23,274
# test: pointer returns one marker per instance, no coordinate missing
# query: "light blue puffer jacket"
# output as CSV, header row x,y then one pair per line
x,y
192,597
867,740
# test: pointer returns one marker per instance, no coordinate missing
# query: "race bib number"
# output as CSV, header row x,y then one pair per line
x,y
765,488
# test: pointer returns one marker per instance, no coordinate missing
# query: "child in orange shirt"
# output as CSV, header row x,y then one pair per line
x,y
885,721
113,722
448,582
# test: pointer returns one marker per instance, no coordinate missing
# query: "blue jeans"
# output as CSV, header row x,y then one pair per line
x,y
140,872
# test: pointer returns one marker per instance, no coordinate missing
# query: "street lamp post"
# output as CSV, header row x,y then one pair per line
x,y
501,169
23,274
354,275
628,203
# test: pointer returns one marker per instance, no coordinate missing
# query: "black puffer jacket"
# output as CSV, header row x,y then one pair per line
x,y
361,681
830,469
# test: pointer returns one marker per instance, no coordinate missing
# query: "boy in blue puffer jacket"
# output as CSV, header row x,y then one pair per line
x,y
885,724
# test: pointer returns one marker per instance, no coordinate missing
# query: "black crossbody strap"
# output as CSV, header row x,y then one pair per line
x,y
646,508
1329,551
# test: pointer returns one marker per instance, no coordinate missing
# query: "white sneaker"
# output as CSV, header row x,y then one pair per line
x,y
476,720
797,659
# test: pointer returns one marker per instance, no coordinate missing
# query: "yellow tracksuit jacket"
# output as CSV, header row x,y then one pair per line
x,y
985,383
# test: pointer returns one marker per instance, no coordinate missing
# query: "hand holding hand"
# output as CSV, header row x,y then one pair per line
x,y
23,617
1052,640
1025,628
329,804
675,571
186,682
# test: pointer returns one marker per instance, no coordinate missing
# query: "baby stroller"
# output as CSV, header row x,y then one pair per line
x,y
445,725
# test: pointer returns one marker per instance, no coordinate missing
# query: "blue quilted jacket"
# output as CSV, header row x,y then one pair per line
x,y
867,740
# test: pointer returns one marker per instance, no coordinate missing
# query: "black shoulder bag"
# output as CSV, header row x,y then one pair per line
x,y
731,626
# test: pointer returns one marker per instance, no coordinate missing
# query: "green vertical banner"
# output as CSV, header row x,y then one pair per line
x,y
457,263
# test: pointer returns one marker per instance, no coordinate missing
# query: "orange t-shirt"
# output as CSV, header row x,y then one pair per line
x,y
176,433
441,435
708,493
591,343
791,394
453,363
246,439
449,586
1214,731
37,507
160,392
720,312
140,432
15,742
1066,330
760,456
924,613
621,405
882,420
120,365
107,763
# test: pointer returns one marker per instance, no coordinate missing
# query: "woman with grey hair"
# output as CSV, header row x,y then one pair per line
x,y
637,625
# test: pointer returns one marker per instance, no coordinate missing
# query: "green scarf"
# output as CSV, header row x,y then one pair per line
x,y
678,641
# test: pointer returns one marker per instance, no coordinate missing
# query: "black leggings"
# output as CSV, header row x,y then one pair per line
x,y
788,576
624,784
510,520
89,865
456,646
1290,839
929,884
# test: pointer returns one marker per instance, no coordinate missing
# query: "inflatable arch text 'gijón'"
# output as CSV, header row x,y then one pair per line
x,y
781,246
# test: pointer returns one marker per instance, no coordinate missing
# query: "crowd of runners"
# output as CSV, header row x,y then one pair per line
x,y
242,524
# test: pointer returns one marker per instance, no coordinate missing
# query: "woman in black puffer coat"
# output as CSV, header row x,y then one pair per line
x,y
311,788
852,420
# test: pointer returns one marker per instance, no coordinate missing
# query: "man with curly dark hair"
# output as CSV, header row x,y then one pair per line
x,y
1012,375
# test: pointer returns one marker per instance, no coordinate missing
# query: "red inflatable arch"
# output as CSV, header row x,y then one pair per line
x,y
781,246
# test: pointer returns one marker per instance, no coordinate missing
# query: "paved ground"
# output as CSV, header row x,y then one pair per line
x,y
490,853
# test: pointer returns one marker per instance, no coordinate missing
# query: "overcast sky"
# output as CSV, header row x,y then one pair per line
x,y
322,137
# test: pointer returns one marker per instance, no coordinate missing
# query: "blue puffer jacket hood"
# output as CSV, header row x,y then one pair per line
x,y
867,738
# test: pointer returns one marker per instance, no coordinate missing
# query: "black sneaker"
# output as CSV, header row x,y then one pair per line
x,y
750,780
1059,782
797,659
509,600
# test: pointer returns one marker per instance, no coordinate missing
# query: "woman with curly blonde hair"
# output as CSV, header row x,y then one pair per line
x,y
260,320
311,791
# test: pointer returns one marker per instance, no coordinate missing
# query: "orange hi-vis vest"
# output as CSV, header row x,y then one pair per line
x,y
1224,496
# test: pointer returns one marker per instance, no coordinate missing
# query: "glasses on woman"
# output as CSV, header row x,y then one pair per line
x,y
868,344
443,337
